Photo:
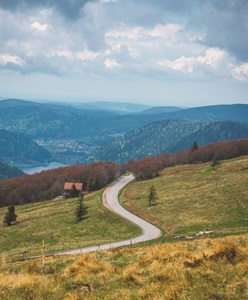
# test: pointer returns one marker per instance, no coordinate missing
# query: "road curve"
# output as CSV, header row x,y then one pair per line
x,y
110,200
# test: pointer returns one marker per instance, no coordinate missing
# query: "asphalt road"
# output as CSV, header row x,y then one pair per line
x,y
110,200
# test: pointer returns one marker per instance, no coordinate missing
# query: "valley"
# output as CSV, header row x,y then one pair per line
x,y
73,133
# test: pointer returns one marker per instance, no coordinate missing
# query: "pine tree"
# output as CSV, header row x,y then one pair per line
x,y
96,185
10,216
194,146
73,192
81,210
153,197
90,185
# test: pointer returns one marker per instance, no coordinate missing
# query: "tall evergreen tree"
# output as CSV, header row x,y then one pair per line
x,y
10,215
194,146
81,210
153,196
73,193
96,184
90,185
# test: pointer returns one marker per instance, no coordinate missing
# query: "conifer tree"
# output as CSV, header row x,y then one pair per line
x,y
96,185
90,185
194,146
73,192
10,216
81,210
153,197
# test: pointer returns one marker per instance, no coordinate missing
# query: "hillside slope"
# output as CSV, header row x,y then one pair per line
x,y
195,197
17,147
8,172
167,136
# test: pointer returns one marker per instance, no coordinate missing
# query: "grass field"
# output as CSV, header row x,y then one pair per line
x,y
55,223
195,197
210,269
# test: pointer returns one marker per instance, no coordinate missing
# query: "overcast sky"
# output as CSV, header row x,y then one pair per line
x,y
156,52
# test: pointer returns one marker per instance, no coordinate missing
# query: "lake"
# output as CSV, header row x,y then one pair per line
x,y
51,165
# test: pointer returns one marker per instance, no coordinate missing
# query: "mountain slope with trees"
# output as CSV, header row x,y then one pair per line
x,y
41,120
168,136
8,172
17,147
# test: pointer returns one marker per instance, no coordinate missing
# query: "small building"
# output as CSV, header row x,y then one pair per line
x,y
68,186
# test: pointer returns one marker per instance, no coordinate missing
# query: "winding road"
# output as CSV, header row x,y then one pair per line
x,y
110,200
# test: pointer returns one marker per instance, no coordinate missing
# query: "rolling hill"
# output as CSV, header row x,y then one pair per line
x,y
18,148
8,172
94,128
167,136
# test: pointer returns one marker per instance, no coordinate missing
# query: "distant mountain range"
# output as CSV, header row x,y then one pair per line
x,y
99,124
167,136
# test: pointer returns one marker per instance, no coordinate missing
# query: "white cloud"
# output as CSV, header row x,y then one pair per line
x,y
165,31
38,26
212,59
111,64
241,73
80,55
7,58
132,33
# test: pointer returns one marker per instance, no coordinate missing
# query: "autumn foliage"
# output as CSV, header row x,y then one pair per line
x,y
49,184
148,168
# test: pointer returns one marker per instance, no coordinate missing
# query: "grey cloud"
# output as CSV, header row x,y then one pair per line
x,y
69,8
225,25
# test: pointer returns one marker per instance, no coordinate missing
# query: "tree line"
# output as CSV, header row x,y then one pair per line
x,y
150,167
49,184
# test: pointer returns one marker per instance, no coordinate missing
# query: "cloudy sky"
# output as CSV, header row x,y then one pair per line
x,y
156,52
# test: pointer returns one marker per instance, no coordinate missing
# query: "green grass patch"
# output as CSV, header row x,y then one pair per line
x,y
55,222
195,197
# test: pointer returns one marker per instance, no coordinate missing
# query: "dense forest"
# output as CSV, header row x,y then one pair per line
x,y
17,147
49,184
8,172
167,136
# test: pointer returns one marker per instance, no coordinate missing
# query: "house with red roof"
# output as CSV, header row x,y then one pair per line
x,y
69,186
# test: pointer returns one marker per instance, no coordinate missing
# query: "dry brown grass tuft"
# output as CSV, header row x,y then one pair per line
x,y
200,269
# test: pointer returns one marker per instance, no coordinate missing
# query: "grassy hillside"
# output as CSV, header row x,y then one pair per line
x,y
55,223
195,197
206,269
191,198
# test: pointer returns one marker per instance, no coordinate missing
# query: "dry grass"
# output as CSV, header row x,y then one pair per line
x,y
207,269
194,198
